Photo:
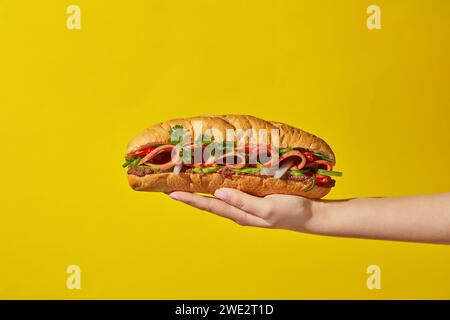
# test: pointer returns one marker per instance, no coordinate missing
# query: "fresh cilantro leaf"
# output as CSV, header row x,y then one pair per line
x,y
177,134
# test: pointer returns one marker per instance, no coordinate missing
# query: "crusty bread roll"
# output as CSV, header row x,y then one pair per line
x,y
290,137
209,182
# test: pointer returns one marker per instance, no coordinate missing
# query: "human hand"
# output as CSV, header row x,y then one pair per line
x,y
423,218
272,211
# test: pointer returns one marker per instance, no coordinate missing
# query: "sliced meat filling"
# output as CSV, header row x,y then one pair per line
x,y
292,164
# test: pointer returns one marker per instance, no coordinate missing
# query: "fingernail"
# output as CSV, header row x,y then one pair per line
x,y
173,196
221,193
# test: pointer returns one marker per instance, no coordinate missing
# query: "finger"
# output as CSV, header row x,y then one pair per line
x,y
255,205
220,208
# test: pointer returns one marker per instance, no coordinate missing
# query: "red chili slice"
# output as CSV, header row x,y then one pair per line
x,y
322,179
310,156
142,152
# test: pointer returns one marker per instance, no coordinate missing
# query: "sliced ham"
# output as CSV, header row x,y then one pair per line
x,y
325,162
293,154
240,160
174,157
277,165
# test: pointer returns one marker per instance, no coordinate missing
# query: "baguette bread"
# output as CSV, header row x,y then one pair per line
x,y
209,182
289,137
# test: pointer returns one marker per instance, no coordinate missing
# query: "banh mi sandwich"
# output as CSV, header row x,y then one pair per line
x,y
204,153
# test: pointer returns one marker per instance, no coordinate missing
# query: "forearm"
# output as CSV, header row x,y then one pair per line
x,y
417,218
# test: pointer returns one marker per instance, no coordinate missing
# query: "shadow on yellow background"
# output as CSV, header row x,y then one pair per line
x,y
71,99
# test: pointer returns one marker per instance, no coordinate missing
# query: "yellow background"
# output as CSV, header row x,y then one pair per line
x,y
71,99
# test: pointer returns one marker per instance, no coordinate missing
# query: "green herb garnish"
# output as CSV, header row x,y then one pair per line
x,y
177,134
323,156
211,169
247,170
148,167
312,185
260,166
204,139
126,164
131,162
207,169
296,173
329,173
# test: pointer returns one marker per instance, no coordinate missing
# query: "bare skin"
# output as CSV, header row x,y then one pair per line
x,y
424,218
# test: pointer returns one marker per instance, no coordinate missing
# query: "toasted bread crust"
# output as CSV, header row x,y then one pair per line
x,y
209,182
290,137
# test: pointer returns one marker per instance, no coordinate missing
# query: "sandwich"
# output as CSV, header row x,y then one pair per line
x,y
205,153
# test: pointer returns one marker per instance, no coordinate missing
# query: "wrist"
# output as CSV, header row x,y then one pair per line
x,y
319,221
